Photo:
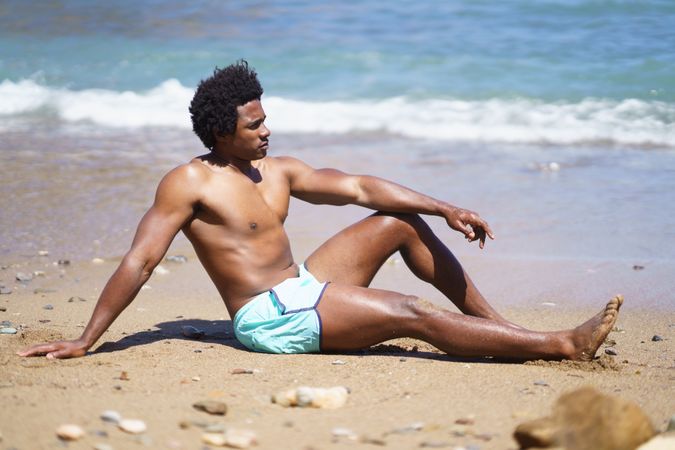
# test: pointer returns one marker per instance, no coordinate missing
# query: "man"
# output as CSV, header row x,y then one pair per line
x,y
231,203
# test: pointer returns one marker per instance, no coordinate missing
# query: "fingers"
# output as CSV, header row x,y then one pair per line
x,y
37,350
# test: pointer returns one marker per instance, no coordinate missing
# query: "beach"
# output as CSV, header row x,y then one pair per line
x,y
555,121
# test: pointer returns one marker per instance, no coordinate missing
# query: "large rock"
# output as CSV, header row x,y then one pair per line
x,y
585,419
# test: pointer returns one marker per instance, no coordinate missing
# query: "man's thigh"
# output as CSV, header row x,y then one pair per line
x,y
354,317
354,255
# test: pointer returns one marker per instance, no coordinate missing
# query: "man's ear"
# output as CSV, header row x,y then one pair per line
x,y
221,137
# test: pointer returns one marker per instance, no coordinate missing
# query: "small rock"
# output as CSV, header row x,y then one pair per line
x,y
132,426
243,371
161,270
43,291
43,253
231,438
5,290
611,351
548,304
24,277
638,267
7,330
97,261
338,362
304,396
344,433
412,428
111,416
465,421
211,407
124,376
39,273
48,307
3,309
72,299
63,262
180,259
434,444
69,432
215,428
540,383
191,332
101,446
656,338
196,378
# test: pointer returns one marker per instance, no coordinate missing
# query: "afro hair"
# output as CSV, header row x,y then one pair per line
x,y
214,107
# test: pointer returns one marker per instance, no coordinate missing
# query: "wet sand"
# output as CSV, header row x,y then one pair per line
x,y
404,394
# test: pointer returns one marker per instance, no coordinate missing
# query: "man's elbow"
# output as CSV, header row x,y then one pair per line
x,y
141,264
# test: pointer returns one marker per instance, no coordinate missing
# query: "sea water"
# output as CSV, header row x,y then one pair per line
x,y
554,119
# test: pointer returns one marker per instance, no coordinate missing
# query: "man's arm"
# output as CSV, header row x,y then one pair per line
x,y
330,186
173,206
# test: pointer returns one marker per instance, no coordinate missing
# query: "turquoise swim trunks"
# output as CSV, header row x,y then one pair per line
x,y
283,319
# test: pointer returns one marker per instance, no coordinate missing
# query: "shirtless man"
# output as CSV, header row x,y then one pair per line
x,y
231,203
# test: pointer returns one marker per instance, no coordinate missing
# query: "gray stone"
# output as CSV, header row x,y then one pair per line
x,y
24,277
8,330
48,307
611,351
191,332
111,416
43,291
180,259
63,262
656,338
5,290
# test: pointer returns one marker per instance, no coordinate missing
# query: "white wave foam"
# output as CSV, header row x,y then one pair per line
x,y
627,122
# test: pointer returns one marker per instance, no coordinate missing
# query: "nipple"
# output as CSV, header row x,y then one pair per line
x,y
253,225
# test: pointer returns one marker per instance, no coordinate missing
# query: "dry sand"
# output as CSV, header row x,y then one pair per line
x,y
404,394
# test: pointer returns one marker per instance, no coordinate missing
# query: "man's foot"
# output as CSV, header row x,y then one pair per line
x,y
590,335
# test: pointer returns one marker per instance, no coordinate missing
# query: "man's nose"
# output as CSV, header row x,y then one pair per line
x,y
264,131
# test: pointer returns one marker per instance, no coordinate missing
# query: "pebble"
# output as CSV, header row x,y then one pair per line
x,y
338,362
211,407
466,420
638,267
434,444
72,299
548,304
196,378
111,416
39,273
231,438
5,290
161,270
97,261
540,383
43,253
3,309
611,351
101,446
412,428
340,432
191,332
24,277
132,426
7,330
244,371
63,262
304,396
656,338
43,291
180,259
48,307
69,432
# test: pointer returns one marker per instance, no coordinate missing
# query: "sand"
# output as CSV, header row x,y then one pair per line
x,y
403,394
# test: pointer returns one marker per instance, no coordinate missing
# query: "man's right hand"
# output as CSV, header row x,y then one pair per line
x,y
57,350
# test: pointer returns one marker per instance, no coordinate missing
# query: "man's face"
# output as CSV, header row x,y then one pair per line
x,y
250,139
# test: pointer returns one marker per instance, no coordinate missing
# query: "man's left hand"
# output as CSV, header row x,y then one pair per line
x,y
470,224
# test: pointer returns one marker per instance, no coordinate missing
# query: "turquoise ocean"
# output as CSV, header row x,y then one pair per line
x,y
554,119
